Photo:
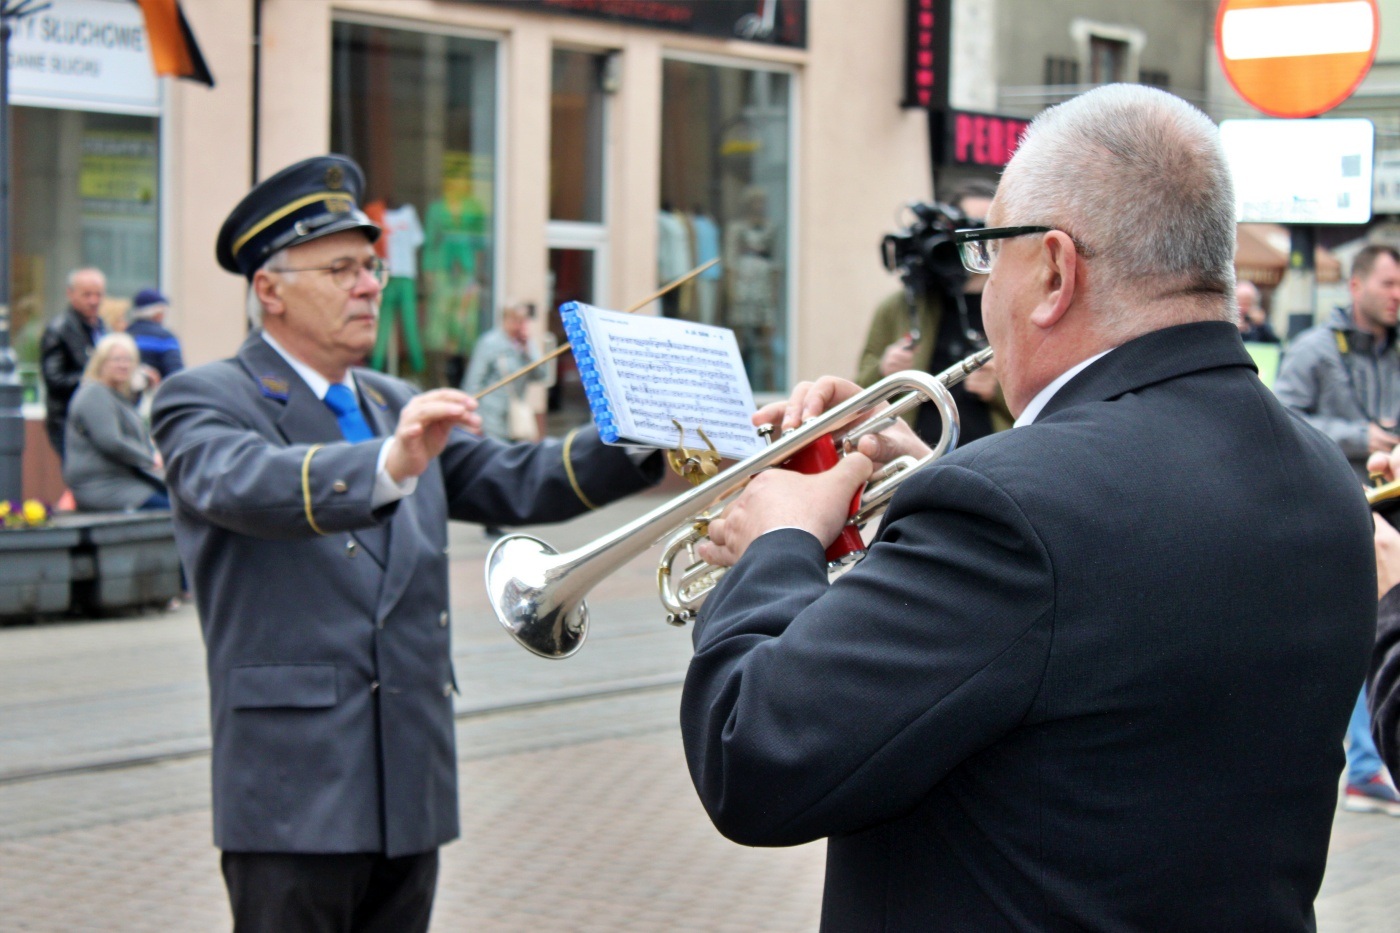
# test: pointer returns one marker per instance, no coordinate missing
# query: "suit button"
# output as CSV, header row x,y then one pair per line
x,y
379,624
351,549
442,619
447,690
339,486
374,686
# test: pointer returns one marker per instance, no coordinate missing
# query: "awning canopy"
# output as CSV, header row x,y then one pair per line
x,y
1261,256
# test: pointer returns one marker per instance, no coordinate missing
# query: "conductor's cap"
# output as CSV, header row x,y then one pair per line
x,y
313,198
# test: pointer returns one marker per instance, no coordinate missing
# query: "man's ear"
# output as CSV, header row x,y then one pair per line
x,y
1060,276
269,292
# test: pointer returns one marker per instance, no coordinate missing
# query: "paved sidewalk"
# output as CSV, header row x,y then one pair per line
x,y
577,810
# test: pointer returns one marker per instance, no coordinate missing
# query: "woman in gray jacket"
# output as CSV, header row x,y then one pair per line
x,y
111,464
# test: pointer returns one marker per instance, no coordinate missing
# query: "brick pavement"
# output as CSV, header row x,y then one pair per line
x,y
577,812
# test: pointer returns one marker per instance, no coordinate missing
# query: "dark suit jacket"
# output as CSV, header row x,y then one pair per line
x,y
329,655
1093,674
63,352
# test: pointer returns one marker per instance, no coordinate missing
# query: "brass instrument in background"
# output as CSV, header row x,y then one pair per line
x,y
538,593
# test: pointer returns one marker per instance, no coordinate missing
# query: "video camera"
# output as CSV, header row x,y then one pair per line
x,y
923,253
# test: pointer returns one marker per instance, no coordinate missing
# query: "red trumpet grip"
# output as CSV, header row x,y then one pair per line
x,y
818,457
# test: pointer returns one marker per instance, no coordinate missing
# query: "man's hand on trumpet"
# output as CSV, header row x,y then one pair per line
x,y
818,503
810,399
815,503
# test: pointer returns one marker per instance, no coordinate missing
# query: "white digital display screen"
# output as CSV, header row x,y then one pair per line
x,y
1300,171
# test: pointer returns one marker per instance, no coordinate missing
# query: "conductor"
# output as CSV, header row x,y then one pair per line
x,y
311,499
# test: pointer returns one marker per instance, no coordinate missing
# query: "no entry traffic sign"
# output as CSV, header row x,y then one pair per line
x,y
1296,58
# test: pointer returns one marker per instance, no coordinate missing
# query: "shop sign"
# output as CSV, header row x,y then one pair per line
x,y
776,22
84,55
983,139
117,174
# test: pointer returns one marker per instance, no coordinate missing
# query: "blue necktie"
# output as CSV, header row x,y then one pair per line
x,y
353,425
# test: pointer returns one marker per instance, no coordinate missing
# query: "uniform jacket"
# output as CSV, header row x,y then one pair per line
x,y
107,452
330,667
1070,687
1341,394
63,351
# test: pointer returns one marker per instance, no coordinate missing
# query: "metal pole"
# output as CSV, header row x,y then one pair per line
x,y
11,393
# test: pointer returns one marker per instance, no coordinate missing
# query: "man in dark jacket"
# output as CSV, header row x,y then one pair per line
x,y
66,345
1069,687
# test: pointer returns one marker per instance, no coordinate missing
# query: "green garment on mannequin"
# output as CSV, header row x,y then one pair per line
x,y
400,300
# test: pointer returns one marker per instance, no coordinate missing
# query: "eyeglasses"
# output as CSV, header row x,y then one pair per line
x,y
977,247
346,272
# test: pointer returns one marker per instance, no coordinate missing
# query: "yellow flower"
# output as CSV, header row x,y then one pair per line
x,y
34,512
4,509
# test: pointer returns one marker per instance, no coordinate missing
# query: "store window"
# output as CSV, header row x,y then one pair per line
x,y
418,112
84,193
725,192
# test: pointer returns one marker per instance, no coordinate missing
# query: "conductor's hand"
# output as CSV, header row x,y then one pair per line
x,y
819,503
425,424
810,399
898,357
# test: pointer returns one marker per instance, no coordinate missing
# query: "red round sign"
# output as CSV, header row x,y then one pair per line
x,y
1296,58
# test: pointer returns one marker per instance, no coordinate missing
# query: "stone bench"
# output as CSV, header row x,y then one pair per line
x,y
90,562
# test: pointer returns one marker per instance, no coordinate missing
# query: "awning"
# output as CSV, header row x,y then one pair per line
x,y
1261,256
173,47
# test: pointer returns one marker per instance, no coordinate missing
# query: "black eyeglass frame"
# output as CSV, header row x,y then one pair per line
x,y
377,267
969,235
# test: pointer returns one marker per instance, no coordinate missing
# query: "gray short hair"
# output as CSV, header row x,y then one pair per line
x,y
254,308
1138,177
74,275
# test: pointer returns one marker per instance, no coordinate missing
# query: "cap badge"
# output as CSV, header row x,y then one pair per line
x,y
335,177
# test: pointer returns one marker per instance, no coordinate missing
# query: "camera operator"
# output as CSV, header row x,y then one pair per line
x,y
936,319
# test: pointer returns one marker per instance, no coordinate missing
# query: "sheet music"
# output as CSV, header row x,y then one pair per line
x,y
654,369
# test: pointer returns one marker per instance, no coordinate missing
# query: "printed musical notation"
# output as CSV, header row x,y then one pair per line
x,y
640,373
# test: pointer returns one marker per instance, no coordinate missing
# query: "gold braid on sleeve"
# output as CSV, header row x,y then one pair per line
x,y
568,468
306,487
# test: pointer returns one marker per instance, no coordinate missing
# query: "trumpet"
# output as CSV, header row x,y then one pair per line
x,y
538,594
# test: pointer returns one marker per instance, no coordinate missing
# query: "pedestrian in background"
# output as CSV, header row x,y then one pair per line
x,y
1069,687
111,463
1343,377
1254,321
66,345
506,414
311,500
160,349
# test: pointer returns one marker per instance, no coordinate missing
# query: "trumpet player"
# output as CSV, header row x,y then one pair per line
x,y
1067,687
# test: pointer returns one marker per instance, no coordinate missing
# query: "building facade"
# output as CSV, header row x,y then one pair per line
x,y
549,150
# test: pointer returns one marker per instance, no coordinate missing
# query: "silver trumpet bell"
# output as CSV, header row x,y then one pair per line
x,y
538,593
